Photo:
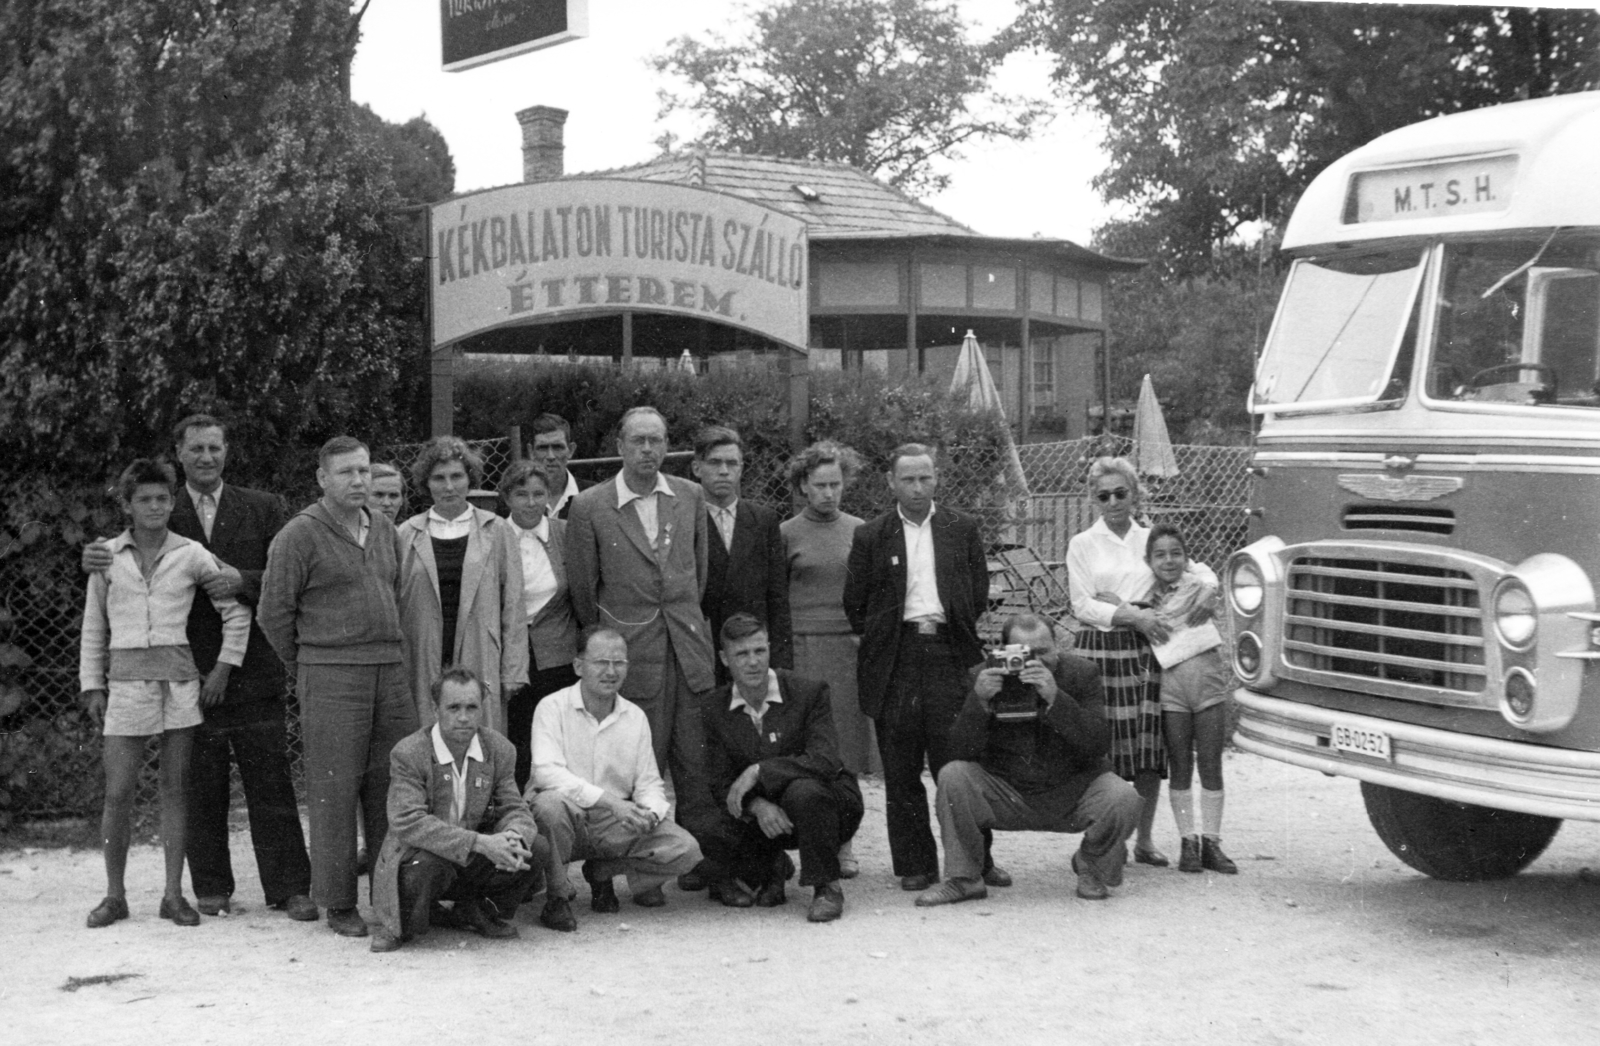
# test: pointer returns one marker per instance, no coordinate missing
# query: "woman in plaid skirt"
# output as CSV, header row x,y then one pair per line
x,y
1106,571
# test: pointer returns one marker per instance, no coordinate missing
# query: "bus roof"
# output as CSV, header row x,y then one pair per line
x,y
1524,165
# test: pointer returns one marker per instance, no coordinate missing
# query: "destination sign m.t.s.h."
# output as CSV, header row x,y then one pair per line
x,y
475,32
1432,190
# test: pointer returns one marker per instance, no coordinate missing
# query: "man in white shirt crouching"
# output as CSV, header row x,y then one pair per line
x,y
596,792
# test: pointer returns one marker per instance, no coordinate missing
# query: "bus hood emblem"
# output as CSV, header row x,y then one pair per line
x,y
1399,488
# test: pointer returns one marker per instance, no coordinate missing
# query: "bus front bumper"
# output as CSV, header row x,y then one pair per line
x,y
1464,768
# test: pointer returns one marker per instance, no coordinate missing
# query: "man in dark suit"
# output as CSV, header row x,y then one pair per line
x,y
459,829
552,448
747,571
245,722
773,761
917,582
1028,753
636,563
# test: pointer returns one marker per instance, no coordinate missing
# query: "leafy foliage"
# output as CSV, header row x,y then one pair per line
x,y
1219,114
886,86
193,217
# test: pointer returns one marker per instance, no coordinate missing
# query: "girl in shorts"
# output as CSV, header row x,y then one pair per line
x,y
1195,681
138,677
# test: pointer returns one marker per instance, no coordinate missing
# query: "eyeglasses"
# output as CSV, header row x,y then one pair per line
x,y
608,664
1103,496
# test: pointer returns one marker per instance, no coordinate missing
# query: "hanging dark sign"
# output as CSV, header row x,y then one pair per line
x,y
475,32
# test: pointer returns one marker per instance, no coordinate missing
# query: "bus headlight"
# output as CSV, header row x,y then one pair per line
x,y
1519,693
1247,656
1516,617
1246,588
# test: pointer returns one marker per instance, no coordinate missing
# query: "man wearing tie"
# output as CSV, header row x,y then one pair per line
x,y
245,724
747,570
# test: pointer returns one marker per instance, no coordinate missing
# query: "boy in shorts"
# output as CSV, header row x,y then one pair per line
x,y
139,678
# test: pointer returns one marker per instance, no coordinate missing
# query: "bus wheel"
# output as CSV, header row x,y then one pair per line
x,y
1457,842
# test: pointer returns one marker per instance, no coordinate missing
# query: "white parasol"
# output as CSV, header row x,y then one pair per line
x,y
1152,446
972,377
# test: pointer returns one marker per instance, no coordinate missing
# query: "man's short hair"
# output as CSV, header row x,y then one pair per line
x,y
713,436
441,450
519,473
589,634
180,431
911,450
142,471
336,446
739,627
547,423
634,412
382,469
458,674
1026,620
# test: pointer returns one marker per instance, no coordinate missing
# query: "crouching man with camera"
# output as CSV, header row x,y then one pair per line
x,y
1028,753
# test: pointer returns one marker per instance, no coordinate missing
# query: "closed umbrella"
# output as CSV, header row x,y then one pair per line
x,y
972,377
686,362
1152,446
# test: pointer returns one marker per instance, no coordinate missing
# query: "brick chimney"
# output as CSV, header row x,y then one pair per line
x,y
542,145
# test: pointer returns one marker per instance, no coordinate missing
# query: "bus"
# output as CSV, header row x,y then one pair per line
x,y
1416,608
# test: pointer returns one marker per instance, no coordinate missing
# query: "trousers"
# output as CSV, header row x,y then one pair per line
x,y
614,848
825,814
351,717
426,877
256,738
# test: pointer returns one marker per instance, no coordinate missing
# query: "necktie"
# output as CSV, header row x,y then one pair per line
x,y
208,513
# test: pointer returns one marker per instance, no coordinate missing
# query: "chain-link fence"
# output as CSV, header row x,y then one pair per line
x,y
50,750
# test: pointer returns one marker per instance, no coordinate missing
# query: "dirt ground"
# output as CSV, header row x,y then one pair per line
x,y
1324,937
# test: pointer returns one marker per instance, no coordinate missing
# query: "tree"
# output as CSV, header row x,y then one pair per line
x,y
192,216
419,158
1219,114
886,86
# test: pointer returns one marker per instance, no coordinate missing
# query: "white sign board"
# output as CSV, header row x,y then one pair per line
x,y
1432,190
585,246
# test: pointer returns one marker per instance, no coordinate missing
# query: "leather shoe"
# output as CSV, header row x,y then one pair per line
x,y
994,875
445,918
346,922
384,941
771,895
1153,857
108,911
915,883
952,891
603,898
1212,857
651,898
1189,855
300,909
557,915
827,904
733,894
178,910
480,922
1090,886
212,905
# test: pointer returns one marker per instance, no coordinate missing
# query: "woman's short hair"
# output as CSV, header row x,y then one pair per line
x,y
824,452
443,449
519,473
142,471
380,469
1108,466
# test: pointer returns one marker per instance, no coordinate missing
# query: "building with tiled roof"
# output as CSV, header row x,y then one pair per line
x,y
889,283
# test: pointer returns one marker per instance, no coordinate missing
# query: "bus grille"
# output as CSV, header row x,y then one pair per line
x,y
1385,627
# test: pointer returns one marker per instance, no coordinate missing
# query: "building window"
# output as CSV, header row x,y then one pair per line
x,y
1044,380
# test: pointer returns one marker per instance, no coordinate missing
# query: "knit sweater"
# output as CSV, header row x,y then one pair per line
x,y
818,551
326,600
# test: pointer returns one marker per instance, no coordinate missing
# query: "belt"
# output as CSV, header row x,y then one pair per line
x,y
929,629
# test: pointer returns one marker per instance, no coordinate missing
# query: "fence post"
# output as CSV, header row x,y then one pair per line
x,y
798,369
514,435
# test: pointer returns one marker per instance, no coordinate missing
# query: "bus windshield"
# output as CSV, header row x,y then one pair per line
x,y
1345,332
1518,322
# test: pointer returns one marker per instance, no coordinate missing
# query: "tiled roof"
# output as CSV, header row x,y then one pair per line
x,y
848,202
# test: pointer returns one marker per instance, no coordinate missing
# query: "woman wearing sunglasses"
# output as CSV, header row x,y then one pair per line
x,y
1106,572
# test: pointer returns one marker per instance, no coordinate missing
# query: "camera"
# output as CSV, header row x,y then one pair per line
x,y
1010,658
1017,701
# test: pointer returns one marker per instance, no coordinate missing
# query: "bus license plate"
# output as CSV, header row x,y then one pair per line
x,y
1362,742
